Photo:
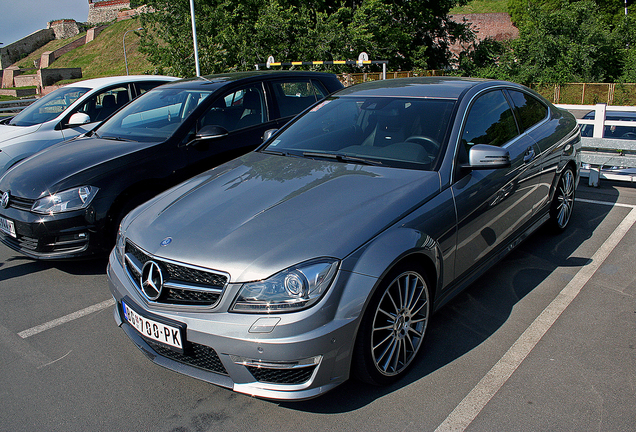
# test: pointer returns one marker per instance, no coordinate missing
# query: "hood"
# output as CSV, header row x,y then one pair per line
x,y
260,214
8,132
64,165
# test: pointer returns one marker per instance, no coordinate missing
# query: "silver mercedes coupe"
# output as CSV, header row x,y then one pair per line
x,y
323,254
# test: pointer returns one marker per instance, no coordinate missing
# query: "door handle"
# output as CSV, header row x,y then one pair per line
x,y
529,154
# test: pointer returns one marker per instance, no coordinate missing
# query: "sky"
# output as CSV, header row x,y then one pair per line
x,y
20,18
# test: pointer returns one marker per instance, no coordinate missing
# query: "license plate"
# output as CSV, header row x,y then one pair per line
x,y
7,226
151,329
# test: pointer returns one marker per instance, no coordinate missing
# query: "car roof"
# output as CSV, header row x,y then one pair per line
x,y
106,81
432,87
212,82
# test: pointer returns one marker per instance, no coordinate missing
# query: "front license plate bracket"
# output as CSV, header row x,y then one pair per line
x,y
153,328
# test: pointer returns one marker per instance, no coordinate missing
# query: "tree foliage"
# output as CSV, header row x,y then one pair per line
x,y
560,41
234,35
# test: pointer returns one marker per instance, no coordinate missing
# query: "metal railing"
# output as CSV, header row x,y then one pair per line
x,y
599,151
14,107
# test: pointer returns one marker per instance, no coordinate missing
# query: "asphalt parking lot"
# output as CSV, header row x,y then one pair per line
x,y
542,342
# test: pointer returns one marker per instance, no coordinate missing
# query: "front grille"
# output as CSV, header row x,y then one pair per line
x,y
196,355
282,376
182,285
28,243
20,203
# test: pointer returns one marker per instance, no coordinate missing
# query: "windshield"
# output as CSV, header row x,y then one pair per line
x,y
398,132
48,107
154,116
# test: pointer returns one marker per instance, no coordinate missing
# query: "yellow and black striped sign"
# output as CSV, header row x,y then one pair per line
x,y
325,63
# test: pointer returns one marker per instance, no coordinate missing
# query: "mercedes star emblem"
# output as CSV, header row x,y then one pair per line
x,y
151,280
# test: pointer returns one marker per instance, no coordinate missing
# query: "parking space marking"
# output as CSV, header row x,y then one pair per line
x,y
468,409
67,318
607,203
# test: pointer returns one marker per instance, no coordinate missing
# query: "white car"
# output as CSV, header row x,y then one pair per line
x,y
68,112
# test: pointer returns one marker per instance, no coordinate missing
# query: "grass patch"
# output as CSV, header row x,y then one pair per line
x,y
27,62
104,56
482,6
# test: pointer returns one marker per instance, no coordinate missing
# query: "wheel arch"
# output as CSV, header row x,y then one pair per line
x,y
129,198
393,248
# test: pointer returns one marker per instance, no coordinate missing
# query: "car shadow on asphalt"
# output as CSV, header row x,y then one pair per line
x,y
479,311
23,266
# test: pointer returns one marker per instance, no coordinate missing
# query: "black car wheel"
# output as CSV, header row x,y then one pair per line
x,y
563,201
393,328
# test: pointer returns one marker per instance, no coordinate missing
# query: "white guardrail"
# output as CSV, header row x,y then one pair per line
x,y
608,158
14,107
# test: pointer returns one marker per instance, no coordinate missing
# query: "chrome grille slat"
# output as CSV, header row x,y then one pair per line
x,y
183,285
20,203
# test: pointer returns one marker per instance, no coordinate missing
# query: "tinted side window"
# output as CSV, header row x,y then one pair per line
x,y
294,96
529,109
143,87
237,110
490,121
103,104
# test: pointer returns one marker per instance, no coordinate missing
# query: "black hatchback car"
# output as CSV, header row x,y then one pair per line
x,y
67,201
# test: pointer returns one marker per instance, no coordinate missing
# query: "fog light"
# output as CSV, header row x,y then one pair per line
x,y
311,361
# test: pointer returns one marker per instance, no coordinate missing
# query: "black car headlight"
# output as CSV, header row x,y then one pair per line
x,y
120,245
295,288
72,199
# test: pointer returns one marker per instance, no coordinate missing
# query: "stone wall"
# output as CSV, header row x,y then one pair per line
x,y
13,52
49,77
105,10
64,29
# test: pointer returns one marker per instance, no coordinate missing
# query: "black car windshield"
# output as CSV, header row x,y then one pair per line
x,y
153,116
48,107
398,132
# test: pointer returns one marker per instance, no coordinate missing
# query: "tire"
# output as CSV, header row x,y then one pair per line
x,y
393,327
563,201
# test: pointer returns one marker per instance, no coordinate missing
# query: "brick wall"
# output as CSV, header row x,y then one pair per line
x,y
494,25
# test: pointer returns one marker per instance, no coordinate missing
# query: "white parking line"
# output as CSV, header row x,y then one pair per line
x,y
468,409
70,317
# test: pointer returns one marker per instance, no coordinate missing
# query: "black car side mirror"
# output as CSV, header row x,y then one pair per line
x,y
211,132
268,134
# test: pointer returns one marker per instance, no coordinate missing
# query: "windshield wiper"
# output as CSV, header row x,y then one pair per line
x,y
279,153
342,158
113,138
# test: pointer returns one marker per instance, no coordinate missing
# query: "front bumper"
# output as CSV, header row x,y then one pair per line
x,y
292,360
51,237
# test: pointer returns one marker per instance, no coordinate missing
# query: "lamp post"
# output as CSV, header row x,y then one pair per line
x,y
194,37
124,42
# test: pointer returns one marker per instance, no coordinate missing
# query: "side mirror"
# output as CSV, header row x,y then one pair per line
x,y
211,132
79,119
268,134
483,156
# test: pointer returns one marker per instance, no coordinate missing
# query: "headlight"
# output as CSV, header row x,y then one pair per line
x,y
292,289
120,246
68,200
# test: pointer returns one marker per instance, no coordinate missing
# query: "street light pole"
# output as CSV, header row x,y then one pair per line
x,y
124,42
194,37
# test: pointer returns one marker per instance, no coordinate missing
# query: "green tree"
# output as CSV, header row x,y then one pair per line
x,y
234,35
608,10
569,44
